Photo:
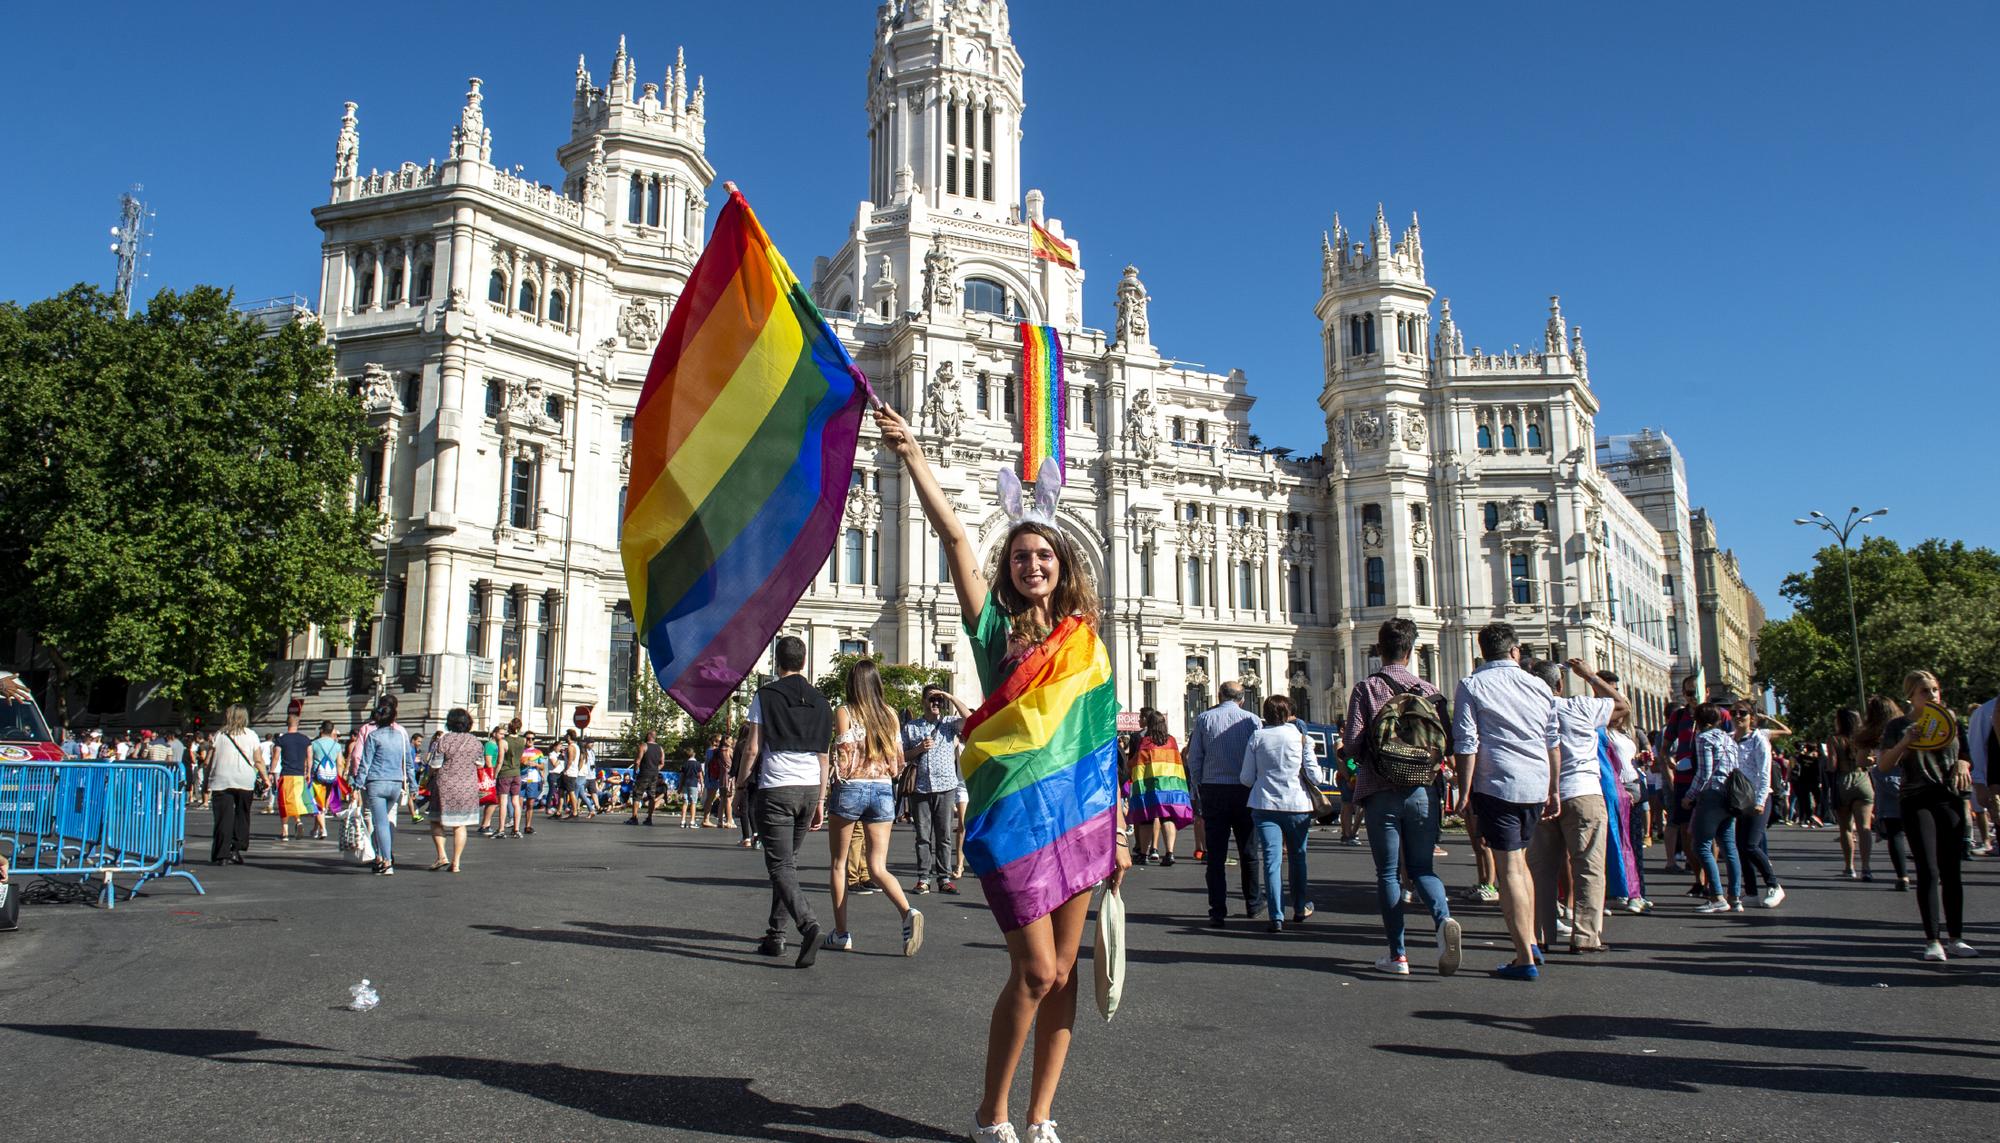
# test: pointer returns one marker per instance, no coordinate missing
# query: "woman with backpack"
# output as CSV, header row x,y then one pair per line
x,y
1160,802
1400,804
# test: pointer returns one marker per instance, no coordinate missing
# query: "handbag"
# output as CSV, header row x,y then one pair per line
x,y
261,787
1107,953
489,786
1322,806
364,849
10,906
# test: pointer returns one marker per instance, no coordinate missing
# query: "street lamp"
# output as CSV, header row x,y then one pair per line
x,y
1841,532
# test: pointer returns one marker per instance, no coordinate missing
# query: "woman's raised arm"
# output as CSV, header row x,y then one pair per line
x,y
966,577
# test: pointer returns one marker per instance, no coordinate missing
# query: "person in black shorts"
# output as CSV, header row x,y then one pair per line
x,y
646,789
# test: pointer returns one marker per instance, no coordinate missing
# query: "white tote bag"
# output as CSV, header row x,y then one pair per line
x,y
1108,953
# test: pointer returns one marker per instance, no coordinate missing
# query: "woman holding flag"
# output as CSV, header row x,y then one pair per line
x,y
1044,824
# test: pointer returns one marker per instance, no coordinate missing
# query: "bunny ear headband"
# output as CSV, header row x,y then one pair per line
x,y
1048,486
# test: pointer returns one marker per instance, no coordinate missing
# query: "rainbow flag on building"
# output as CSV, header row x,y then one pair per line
x,y
1043,397
1041,776
1044,245
742,449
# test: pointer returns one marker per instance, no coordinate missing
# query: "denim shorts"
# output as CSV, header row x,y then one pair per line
x,y
864,802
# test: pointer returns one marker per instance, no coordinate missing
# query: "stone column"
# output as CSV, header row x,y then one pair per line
x,y
435,636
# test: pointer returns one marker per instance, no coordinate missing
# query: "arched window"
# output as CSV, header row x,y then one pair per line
x,y
1492,515
496,288
1354,336
1378,588
1509,438
1534,436
845,305
652,202
395,293
526,299
1403,334
1485,436
1371,515
364,290
986,296
1367,333
1542,513
558,307
636,204
1423,577
423,289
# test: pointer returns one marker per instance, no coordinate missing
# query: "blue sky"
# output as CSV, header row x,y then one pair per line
x,y
1774,221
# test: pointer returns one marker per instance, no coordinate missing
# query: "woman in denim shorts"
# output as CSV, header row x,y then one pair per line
x,y
867,758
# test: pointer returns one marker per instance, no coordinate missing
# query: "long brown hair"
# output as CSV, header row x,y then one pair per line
x,y
1075,594
1881,710
866,705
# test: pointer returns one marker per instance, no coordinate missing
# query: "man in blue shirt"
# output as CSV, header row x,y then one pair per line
x,y
1216,745
930,746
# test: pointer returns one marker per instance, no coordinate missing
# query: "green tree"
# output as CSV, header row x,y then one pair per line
x,y
654,710
177,499
902,684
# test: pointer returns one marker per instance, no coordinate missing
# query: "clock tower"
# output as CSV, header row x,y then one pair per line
x,y
944,108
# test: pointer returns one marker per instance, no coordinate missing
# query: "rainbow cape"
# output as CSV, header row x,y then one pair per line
x,y
1041,776
1624,865
742,449
1160,785
1043,397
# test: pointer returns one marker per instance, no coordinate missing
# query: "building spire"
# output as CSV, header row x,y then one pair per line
x,y
621,76
1577,353
470,139
1378,234
680,74
1555,340
347,151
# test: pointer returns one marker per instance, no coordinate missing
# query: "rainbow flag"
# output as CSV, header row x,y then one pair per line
x,y
1160,785
1043,396
1042,244
742,449
1041,776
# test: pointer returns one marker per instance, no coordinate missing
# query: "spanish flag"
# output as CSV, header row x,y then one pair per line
x,y
1042,244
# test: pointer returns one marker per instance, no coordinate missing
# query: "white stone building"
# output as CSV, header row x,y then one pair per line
x,y
500,329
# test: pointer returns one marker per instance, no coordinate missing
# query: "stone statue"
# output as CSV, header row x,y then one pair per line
x,y
593,173
638,324
378,390
939,270
1142,435
347,152
942,404
1415,431
1130,328
1519,515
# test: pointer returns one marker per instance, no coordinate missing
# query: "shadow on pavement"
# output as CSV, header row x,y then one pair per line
x,y
734,947
1606,1029
1689,1076
719,1105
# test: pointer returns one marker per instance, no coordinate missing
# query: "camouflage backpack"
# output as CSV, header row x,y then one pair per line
x,y
1406,740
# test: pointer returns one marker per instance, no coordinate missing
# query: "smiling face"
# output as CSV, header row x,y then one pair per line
x,y
1033,569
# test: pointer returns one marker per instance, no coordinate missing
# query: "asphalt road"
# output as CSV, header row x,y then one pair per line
x,y
598,982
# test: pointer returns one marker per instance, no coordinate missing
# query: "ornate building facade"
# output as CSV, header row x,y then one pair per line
x,y
499,331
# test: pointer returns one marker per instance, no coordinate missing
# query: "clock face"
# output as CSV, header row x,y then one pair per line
x,y
970,55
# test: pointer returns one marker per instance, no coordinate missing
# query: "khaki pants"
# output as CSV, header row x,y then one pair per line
x,y
1579,835
857,857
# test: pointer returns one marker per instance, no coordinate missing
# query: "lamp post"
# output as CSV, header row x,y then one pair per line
x,y
1841,532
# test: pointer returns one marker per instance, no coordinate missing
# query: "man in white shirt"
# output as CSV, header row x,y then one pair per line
x,y
1979,742
1580,830
1509,753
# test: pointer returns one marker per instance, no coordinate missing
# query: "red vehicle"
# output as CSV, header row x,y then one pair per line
x,y
24,737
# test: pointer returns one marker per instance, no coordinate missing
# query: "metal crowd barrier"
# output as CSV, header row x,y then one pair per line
x,y
95,820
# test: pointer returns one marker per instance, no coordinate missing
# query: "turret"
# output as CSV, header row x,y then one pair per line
x,y
347,150
470,140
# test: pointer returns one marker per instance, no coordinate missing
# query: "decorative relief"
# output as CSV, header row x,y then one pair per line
x,y
526,409
1371,535
1142,434
1130,328
638,324
378,391
939,270
1420,534
864,506
942,404
1296,546
1368,429
1248,542
1415,431
1197,537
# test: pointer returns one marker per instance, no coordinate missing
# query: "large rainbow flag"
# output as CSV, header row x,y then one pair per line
x,y
1041,775
1043,397
742,449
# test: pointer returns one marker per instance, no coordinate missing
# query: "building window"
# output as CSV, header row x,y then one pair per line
x,y
986,296
1194,581
634,207
496,397
852,555
544,667
624,658
1517,574
653,201
1371,515
1534,436
1485,436
943,564
558,307
875,558
625,430
1673,639
981,398
371,478
620,522
1378,588
475,622
1542,513
521,492
1089,407
395,293
1146,569
1312,591
1667,584
1007,396
1423,579
1201,432
1246,585
496,288
553,407
1416,513
1295,590
364,289
1492,512
854,646
526,301
1509,438
1179,429
423,289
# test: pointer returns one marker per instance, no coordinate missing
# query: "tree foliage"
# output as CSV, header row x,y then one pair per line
x,y
1935,606
175,498
902,684
655,711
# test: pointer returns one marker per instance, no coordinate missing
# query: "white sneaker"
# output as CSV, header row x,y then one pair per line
x,y
1393,965
1714,905
1961,949
1934,951
838,942
1636,905
1449,942
1043,1132
1773,897
1563,928
1736,906
1002,1132
913,939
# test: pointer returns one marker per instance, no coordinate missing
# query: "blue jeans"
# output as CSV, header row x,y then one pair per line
x,y
382,799
1714,823
1282,834
1402,831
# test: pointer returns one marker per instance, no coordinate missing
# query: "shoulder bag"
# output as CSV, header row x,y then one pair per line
x,y
1322,806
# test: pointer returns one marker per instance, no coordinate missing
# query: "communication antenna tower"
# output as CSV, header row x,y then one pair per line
x,y
131,237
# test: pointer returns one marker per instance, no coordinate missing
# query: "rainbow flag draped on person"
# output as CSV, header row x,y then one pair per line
x,y
1043,398
1041,776
742,449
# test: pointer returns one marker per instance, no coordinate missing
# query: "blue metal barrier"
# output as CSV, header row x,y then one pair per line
x,y
95,820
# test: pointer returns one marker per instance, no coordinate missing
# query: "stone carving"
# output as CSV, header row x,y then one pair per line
x,y
1555,339
1197,537
864,506
942,404
1145,526
1415,431
1247,542
1142,435
638,324
1450,342
593,172
625,459
1197,673
470,139
939,270
1131,326
1578,355
347,152
1251,680
527,409
1371,535
1296,547
378,390
1368,429
1520,517
1420,534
